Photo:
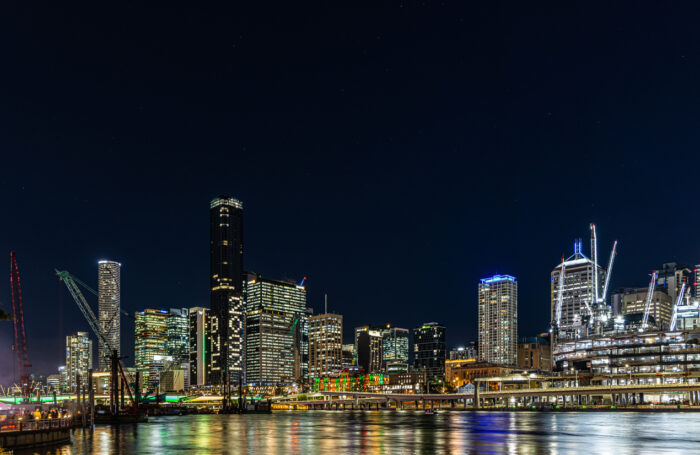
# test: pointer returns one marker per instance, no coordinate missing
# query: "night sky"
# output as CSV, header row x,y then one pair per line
x,y
393,154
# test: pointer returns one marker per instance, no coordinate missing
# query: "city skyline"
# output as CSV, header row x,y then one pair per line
x,y
371,151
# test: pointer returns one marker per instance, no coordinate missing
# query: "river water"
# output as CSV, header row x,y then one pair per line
x,y
378,432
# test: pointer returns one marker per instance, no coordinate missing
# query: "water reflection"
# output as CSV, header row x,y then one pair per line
x,y
384,432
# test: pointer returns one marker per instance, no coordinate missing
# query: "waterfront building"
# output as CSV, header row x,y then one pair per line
x,y
226,278
178,346
368,348
198,345
349,356
535,353
468,351
660,310
659,357
406,382
461,372
78,359
326,352
577,294
172,380
498,320
108,309
151,338
275,331
429,350
352,380
53,382
394,349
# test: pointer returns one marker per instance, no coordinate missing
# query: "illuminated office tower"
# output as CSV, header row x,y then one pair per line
x,y
109,308
151,340
275,328
498,320
429,350
226,278
394,349
78,358
325,345
368,348
179,335
198,346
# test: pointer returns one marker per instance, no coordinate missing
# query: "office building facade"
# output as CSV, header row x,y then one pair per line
x,y
275,332
109,309
179,335
150,342
198,346
78,359
325,345
395,349
368,348
226,280
498,320
429,350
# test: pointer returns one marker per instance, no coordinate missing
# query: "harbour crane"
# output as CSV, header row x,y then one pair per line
x,y
117,371
650,295
679,301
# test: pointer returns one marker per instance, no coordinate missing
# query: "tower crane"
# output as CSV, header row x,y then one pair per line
x,y
650,294
560,293
20,346
679,301
613,253
117,372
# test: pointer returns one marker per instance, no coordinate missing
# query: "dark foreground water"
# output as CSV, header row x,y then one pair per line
x,y
338,432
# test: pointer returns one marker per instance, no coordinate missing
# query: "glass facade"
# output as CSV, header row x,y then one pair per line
x,y
325,345
78,359
179,335
109,309
226,278
276,343
395,349
150,344
368,348
429,350
498,320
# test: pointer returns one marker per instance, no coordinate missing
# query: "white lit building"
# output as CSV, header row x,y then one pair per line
x,y
109,308
498,320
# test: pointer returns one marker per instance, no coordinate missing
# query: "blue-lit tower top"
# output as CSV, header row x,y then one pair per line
x,y
496,278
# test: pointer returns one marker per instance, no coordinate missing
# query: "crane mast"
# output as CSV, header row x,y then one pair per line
x,y
560,293
594,256
613,253
650,294
679,301
117,371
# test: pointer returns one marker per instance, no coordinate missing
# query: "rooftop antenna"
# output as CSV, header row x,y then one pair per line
x,y
325,300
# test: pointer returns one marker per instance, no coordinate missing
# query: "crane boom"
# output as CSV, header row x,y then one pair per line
x,y
594,255
560,292
650,294
613,253
679,301
79,298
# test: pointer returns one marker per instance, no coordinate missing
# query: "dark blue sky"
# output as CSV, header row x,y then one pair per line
x,y
393,154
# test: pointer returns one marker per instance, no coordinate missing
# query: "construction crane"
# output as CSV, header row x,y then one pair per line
x,y
650,295
20,346
117,372
594,255
608,272
679,301
560,294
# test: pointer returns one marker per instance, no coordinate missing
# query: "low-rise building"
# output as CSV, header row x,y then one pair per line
x,y
461,372
535,353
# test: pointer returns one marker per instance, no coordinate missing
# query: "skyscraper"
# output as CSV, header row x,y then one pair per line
x,y
274,332
179,335
198,346
429,350
109,308
577,294
78,358
151,340
368,348
498,320
226,277
394,349
325,345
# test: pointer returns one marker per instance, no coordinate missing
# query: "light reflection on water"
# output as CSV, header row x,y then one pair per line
x,y
380,432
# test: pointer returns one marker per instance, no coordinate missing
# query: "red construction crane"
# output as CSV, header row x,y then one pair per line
x,y
20,346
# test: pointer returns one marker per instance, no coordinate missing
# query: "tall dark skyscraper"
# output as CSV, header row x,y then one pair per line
x,y
226,274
